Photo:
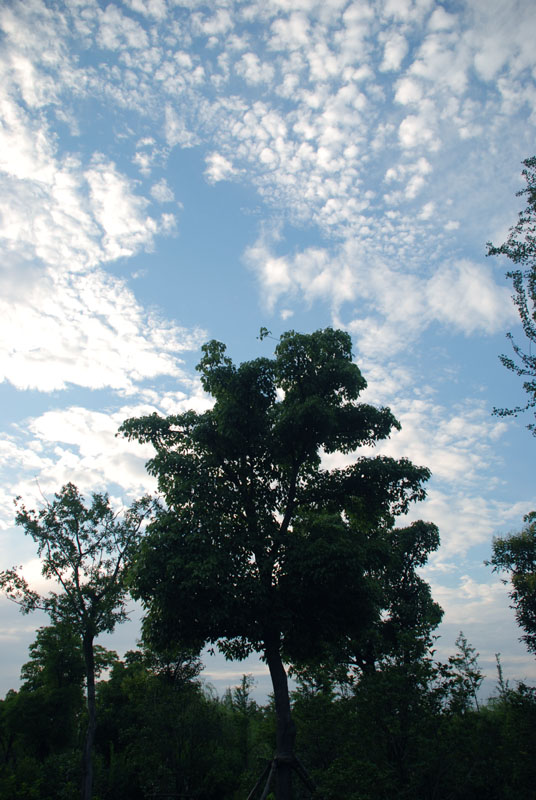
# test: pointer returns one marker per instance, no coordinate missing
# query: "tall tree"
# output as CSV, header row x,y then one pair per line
x,y
516,554
86,551
260,547
520,248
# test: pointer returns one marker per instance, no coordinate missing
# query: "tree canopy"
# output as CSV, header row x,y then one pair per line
x,y
516,554
520,248
85,550
260,547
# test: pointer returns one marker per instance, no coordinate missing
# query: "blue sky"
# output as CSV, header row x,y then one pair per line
x,y
179,171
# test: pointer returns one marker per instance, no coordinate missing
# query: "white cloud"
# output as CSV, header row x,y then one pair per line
x,y
395,50
471,602
88,330
162,192
479,607
322,52
218,168
443,61
463,296
85,446
118,31
408,91
26,151
406,10
466,296
148,155
253,70
212,25
419,130
116,209
42,453
414,173
428,210
176,130
441,20
48,212
273,272
149,8
501,37
63,320
290,33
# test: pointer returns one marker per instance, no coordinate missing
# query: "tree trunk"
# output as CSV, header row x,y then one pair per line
x,y
87,757
286,730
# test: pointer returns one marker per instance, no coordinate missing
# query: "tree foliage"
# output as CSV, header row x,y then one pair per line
x,y
260,547
409,730
463,676
237,476
516,554
520,248
85,550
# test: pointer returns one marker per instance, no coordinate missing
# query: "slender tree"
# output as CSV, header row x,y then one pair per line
x,y
520,248
463,677
86,551
260,548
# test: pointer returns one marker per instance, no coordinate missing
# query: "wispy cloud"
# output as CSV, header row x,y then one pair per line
x,y
462,295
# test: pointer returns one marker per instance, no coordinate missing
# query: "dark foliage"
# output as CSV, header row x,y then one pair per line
x,y
516,554
520,248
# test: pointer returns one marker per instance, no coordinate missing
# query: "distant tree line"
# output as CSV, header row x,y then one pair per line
x,y
406,730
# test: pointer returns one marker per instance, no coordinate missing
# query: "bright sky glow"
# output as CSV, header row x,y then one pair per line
x,y
178,171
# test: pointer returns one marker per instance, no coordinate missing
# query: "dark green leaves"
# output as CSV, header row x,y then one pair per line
x,y
84,549
258,541
520,248
516,554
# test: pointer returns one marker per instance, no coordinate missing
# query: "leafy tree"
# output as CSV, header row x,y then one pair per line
x,y
401,633
516,554
514,714
85,550
463,676
238,700
160,734
40,724
520,248
56,660
259,546
51,696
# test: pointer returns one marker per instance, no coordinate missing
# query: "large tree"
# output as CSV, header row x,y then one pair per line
x,y
520,248
260,547
85,550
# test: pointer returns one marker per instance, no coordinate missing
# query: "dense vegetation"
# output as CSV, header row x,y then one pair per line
x,y
403,730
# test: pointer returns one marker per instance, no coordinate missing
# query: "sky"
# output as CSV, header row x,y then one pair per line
x,y
173,172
